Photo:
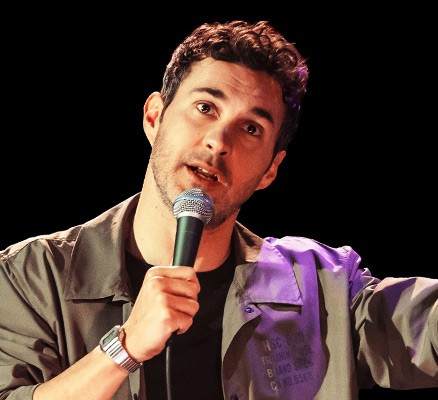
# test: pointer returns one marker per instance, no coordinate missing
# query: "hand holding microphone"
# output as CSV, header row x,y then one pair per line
x,y
193,209
167,301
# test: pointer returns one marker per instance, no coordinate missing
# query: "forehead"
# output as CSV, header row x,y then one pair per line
x,y
238,83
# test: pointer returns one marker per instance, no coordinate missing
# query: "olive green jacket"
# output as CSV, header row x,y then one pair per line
x,y
302,320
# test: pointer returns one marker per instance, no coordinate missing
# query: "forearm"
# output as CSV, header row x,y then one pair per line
x,y
96,377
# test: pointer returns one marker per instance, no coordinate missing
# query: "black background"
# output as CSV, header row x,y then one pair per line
x,y
359,172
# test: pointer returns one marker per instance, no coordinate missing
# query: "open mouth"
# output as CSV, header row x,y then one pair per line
x,y
203,173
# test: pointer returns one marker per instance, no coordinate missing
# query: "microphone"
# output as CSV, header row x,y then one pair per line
x,y
193,209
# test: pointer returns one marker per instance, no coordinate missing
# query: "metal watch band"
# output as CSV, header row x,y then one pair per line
x,y
111,345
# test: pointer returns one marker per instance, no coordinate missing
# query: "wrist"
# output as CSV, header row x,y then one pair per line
x,y
112,343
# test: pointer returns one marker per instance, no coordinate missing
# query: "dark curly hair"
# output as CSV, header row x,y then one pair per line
x,y
255,45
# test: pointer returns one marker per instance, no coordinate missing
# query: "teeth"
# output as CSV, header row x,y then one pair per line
x,y
206,173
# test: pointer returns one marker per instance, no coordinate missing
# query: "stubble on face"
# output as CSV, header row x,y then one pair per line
x,y
226,204
160,158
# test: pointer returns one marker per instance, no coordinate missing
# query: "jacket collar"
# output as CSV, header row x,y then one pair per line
x,y
263,273
98,270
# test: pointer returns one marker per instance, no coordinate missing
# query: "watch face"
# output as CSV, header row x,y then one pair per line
x,y
109,337
111,345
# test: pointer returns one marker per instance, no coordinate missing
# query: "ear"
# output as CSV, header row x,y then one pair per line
x,y
271,173
151,115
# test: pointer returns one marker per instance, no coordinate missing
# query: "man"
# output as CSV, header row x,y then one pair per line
x,y
99,306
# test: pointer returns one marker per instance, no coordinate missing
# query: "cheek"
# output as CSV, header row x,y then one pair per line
x,y
169,134
258,160
250,167
180,129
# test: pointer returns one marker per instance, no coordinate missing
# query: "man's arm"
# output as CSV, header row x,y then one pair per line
x,y
96,377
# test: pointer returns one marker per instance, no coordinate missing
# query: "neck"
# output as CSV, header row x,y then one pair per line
x,y
154,230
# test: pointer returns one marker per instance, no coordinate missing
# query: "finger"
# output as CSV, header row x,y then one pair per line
x,y
182,305
182,282
163,285
186,273
178,313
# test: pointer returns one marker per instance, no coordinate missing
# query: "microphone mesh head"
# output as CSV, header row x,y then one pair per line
x,y
194,202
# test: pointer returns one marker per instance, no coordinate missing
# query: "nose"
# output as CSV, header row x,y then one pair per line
x,y
217,142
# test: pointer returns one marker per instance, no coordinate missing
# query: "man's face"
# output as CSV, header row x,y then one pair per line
x,y
218,134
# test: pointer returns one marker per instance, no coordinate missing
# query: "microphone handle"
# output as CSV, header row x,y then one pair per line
x,y
187,238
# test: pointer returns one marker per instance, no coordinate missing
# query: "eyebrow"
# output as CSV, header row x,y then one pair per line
x,y
219,94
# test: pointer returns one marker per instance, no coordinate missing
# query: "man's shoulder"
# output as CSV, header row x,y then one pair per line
x,y
41,246
301,243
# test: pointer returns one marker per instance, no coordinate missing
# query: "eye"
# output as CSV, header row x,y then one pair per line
x,y
253,130
204,108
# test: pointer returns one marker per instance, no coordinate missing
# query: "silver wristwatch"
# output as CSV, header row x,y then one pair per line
x,y
111,344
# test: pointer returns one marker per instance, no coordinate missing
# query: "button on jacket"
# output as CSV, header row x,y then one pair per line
x,y
301,321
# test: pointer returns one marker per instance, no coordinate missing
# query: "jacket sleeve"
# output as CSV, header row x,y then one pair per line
x,y
28,351
396,331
